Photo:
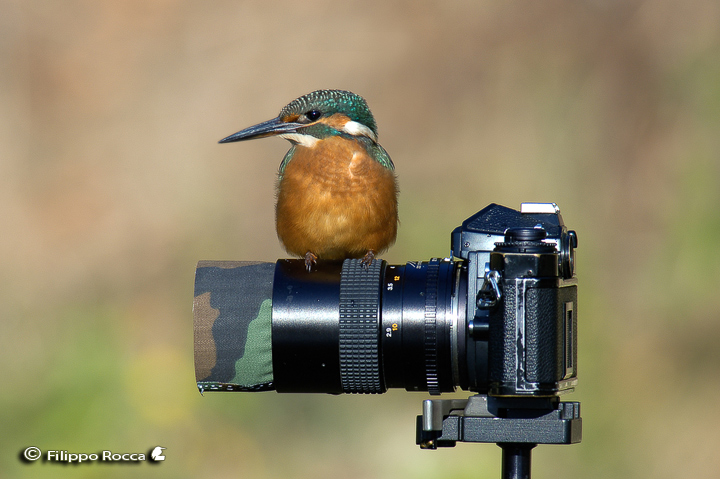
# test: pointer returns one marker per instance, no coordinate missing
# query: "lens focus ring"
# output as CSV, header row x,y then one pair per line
x,y
359,306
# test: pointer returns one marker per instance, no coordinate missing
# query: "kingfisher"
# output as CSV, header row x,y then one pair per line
x,y
337,192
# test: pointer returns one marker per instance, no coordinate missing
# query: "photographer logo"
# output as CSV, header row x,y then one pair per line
x,y
32,454
156,454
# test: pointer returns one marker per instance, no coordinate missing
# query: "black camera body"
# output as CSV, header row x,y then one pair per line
x,y
520,270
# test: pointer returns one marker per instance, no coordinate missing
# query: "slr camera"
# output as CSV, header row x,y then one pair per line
x,y
497,317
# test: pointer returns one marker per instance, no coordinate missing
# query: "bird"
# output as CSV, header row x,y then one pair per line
x,y
337,192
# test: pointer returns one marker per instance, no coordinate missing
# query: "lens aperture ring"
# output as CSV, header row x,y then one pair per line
x,y
359,329
431,297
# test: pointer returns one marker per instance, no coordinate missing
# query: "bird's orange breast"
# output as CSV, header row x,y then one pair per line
x,y
335,201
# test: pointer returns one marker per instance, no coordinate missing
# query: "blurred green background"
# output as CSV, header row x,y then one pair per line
x,y
113,186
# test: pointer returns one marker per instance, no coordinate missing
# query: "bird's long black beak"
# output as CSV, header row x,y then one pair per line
x,y
267,128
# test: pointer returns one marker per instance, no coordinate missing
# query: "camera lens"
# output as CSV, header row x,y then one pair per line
x,y
420,327
347,328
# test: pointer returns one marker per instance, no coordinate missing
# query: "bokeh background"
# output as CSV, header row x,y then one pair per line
x,y
113,186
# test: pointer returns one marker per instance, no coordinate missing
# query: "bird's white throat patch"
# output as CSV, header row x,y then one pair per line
x,y
300,139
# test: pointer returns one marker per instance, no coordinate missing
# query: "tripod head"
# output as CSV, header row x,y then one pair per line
x,y
516,424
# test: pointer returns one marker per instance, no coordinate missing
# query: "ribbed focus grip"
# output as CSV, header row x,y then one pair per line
x,y
359,328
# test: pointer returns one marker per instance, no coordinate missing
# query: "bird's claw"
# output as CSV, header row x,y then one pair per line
x,y
368,259
310,260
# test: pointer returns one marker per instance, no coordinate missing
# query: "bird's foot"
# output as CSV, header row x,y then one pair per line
x,y
368,259
310,260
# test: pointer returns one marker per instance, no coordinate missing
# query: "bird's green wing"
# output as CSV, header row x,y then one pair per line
x,y
379,153
285,161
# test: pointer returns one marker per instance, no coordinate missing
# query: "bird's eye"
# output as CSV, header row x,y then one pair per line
x,y
313,115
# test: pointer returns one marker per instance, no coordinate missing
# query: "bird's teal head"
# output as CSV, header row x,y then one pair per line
x,y
315,116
